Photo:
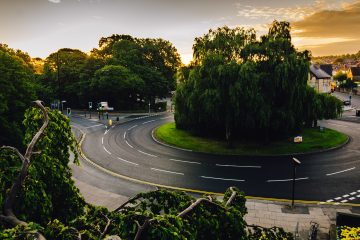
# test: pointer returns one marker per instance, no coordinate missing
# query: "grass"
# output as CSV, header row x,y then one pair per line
x,y
313,140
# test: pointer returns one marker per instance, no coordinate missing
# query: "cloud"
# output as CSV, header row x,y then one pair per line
x,y
293,13
54,1
332,31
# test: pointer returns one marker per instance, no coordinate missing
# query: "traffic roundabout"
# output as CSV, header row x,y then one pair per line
x,y
129,151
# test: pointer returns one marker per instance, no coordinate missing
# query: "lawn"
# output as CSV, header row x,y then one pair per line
x,y
313,140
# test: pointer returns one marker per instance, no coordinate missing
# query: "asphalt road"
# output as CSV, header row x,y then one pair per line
x,y
129,149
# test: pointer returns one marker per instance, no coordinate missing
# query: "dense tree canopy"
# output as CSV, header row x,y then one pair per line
x,y
18,88
239,87
72,75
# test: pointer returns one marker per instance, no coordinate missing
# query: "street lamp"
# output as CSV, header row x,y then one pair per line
x,y
149,107
296,163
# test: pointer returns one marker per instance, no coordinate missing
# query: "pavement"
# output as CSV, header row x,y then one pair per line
x,y
109,191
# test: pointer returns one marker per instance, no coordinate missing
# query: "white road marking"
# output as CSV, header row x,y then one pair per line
x,y
345,196
288,180
128,144
224,179
352,198
353,193
121,159
237,166
330,200
106,150
161,170
338,198
338,124
106,131
176,160
358,190
124,135
358,196
343,201
97,125
346,170
146,153
102,140
166,117
132,127
148,121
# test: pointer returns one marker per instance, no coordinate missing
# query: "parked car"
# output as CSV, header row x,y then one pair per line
x,y
347,103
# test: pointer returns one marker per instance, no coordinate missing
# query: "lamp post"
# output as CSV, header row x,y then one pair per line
x,y
62,105
296,163
149,107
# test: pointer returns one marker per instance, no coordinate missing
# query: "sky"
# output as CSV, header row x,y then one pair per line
x,y
41,27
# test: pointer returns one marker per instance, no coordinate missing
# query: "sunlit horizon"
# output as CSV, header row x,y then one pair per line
x,y
42,27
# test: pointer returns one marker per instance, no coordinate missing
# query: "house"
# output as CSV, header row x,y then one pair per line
x,y
319,78
354,74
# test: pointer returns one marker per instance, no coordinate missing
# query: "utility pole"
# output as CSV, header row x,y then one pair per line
x,y
296,163
57,76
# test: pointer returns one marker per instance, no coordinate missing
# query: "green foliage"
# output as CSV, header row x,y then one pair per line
x,y
274,233
348,84
118,84
340,76
21,232
48,192
240,88
17,90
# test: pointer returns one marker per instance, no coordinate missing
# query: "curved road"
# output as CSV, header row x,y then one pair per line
x,y
129,149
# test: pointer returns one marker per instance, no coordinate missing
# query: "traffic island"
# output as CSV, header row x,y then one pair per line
x,y
313,140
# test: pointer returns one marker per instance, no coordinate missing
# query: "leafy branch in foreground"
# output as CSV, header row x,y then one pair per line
x,y
48,205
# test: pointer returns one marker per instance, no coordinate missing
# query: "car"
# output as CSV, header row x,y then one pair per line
x,y
347,103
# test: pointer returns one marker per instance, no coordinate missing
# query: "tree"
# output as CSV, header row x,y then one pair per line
x,y
242,88
44,203
17,88
340,77
62,73
120,86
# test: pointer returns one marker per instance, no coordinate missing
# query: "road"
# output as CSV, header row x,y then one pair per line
x,y
129,150
355,99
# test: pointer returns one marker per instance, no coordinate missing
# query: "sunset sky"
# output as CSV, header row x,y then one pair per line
x,y
40,27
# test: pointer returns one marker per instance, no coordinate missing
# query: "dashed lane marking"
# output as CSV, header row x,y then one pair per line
x,y
146,153
288,180
223,179
124,135
106,150
176,160
121,159
102,140
346,170
132,127
128,144
97,125
237,166
148,121
346,195
166,171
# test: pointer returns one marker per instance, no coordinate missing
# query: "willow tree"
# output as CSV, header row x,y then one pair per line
x,y
240,87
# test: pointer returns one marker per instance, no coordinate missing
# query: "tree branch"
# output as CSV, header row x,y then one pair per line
x,y
141,229
195,204
233,195
9,216
106,227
